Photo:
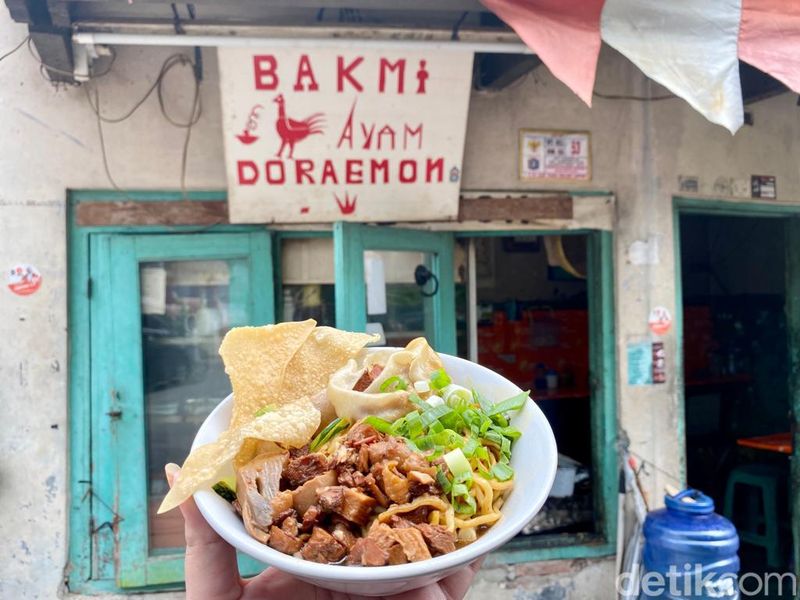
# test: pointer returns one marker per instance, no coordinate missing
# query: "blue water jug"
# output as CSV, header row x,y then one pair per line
x,y
689,551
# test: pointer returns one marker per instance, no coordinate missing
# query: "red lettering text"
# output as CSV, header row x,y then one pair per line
x,y
399,66
408,171
409,134
264,70
302,169
328,173
377,167
304,71
247,172
387,131
345,72
353,172
272,178
432,165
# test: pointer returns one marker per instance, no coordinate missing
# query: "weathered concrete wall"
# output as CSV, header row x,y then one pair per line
x,y
50,144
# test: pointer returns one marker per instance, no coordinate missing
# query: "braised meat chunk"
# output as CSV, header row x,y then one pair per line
x,y
322,547
303,468
348,502
306,494
390,448
439,540
368,553
283,541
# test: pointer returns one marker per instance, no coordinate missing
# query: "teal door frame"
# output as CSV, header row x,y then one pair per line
x,y
350,240
117,373
790,213
94,510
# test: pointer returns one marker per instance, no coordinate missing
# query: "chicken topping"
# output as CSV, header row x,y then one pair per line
x,y
348,502
257,485
322,547
343,535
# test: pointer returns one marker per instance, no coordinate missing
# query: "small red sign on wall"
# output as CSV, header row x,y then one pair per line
x,y
23,279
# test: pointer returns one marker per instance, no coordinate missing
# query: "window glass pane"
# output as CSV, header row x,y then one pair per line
x,y
533,328
307,280
187,306
393,298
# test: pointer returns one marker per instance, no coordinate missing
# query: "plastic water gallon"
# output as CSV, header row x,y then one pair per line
x,y
689,551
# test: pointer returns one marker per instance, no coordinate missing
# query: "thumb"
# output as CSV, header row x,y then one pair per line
x,y
211,571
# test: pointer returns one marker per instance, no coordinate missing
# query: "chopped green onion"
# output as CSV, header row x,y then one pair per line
x,y
460,489
265,409
513,403
393,383
224,491
502,472
436,427
458,464
334,427
500,419
431,416
511,433
378,424
494,437
440,379
414,425
443,481
470,447
466,506
482,401
505,445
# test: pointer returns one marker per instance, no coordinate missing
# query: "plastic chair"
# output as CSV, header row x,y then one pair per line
x,y
764,479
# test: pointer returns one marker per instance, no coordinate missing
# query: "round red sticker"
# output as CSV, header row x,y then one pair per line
x,y
660,320
23,280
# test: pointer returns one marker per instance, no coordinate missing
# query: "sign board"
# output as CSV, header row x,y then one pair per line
x,y
763,186
554,155
329,134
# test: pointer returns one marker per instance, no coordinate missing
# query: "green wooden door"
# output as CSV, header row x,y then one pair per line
x,y
160,306
408,310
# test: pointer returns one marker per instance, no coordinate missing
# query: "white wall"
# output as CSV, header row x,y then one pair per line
x,y
50,144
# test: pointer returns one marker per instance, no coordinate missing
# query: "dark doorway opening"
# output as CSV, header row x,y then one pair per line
x,y
736,378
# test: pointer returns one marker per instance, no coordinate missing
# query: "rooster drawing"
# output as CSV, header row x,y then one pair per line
x,y
292,131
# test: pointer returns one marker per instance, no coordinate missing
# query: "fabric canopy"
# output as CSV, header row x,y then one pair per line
x,y
691,47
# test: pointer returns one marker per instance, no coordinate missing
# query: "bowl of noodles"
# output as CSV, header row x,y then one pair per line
x,y
404,466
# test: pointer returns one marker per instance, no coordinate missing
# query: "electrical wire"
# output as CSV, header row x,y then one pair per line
x,y
158,86
17,47
635,98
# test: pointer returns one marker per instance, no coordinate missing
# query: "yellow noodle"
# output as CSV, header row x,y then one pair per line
x,y
449,518
432,501
434,517
501,485
498,503
478,521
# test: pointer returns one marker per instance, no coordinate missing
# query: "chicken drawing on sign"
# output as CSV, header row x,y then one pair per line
x,y
291,131
247,137
348,207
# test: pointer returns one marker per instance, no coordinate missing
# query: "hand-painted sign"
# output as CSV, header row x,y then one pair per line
x,y
338,134
23,279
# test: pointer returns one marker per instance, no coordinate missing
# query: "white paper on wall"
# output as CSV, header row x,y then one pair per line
x,y
375,279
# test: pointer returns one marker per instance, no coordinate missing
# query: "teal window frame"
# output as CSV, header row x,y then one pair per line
x,y
92,555
603,412
350,240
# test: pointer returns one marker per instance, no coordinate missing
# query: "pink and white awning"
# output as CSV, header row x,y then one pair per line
x,y
691,47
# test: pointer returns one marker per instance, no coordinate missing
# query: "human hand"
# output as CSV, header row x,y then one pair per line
x,y
211,571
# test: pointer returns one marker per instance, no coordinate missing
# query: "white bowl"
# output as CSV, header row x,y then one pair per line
x,y
534,458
